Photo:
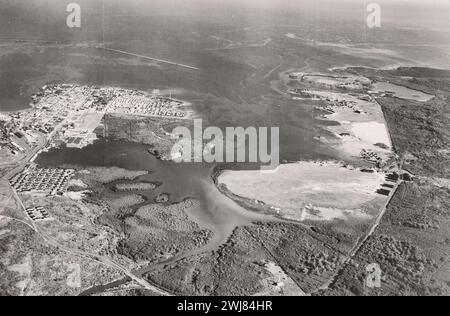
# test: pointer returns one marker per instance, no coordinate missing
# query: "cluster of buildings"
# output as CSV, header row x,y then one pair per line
x,y
6,143
391,181
40,180
52,107
303,94
3,132
10,140
371,156
334,100
332,104
332,82
37,213
64,111
68,114
138,104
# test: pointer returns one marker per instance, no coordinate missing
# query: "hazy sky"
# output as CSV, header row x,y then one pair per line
x,y
419,13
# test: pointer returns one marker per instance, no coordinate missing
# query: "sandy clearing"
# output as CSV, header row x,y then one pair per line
x,y
326,188
279,283
329,214
78,183
372,132
24,270
362,125
77,196
4,232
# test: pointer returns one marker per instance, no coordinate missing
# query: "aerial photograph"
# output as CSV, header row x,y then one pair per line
x,y
245,150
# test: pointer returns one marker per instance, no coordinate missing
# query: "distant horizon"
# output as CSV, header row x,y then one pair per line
x,y
432,13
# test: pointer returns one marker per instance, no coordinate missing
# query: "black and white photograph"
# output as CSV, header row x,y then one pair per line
x,y
224,155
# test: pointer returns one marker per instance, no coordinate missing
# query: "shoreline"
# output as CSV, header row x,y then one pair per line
x,y
369,112
260,202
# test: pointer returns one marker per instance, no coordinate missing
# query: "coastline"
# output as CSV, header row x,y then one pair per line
x,y
362,138
259,207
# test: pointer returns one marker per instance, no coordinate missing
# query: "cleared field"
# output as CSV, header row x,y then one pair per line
x,y
83,128
278,283
309,190
361,124
5,194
